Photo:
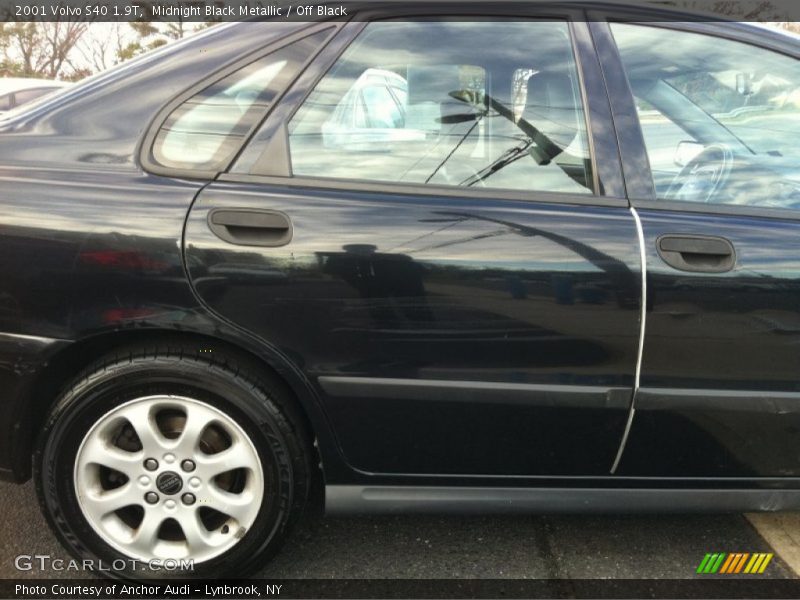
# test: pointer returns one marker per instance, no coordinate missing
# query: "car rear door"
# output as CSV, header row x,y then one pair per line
x,y
462,285
719,392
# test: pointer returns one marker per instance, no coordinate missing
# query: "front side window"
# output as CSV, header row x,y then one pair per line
x,y
720,118
206,130
464,104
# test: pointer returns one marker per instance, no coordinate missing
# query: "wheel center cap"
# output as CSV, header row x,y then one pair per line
x,y
169,483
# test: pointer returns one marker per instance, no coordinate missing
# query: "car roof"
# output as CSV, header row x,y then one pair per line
x,y
654,7
643,10
16,84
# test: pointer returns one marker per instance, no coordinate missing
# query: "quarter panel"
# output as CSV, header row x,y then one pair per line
x,y
86,255
100,121
81,251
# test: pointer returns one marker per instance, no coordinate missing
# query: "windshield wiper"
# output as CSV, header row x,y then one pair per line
x,y
477,118
538,146
509,156
546,149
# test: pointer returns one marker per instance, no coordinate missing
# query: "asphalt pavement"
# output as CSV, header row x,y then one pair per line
x,y
432,547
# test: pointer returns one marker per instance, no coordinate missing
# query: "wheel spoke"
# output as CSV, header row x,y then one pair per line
x,y
198,538
99,452
102,503
239,506
142,419
186,457
145,536
197,419
235,457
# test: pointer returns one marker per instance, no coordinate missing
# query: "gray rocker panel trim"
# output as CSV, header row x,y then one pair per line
x,y
356,499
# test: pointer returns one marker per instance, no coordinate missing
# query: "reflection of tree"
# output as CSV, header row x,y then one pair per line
x,y
396,279
535,144
740,10
38,49
599,259
71,50
618,272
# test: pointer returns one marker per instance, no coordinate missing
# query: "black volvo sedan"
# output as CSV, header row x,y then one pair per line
x,y
546,259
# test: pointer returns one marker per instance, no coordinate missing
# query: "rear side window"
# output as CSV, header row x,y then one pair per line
x,y
487,104
206,130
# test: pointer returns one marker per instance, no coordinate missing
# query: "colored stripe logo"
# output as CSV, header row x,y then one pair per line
x,y
735,562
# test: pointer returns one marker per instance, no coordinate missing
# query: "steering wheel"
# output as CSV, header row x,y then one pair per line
x,y
702,177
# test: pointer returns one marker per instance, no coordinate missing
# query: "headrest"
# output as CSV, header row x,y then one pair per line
x,y
551,107
553,90
432,83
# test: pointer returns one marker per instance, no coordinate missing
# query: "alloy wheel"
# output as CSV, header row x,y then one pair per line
x,y
168,477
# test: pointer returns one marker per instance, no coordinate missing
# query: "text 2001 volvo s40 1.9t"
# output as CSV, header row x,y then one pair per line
x,y
546,260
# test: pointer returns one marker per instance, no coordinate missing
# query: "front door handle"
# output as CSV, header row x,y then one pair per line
x,y
697,253
251,227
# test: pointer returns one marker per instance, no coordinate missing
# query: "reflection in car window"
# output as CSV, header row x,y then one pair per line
x,y
720,118
27,95
382,107
669,147
445,103
203,132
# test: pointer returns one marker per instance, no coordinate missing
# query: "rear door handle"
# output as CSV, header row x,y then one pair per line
x,y
251,227
697,253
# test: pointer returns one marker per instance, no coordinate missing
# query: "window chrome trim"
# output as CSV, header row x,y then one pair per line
x,y
718,209
426,190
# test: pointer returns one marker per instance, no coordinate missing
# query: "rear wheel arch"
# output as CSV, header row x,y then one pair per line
x,y
67,365
159,389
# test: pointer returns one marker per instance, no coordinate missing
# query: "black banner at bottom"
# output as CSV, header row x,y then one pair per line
x,y
730,587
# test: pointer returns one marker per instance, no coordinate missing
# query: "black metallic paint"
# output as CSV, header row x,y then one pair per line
x,y
22,359
90,245
90,249
720,389
423,287
76,274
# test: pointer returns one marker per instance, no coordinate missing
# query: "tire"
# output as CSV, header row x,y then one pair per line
x,y
248,480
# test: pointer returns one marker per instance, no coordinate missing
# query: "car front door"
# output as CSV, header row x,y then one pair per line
x,y
461,284
720,118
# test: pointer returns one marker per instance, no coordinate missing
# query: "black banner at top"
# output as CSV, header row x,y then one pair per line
x,y
173,10
311,10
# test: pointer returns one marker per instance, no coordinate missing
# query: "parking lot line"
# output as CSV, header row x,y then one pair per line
x,y
781,531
